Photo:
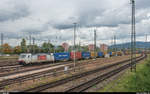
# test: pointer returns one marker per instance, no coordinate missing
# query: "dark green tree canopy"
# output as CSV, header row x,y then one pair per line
x,y
23,46
47,47
59,49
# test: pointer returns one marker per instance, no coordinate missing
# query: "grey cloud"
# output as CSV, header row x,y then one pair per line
x,y
86,13
141,4
35,30
32,31
14,12
11,35
107,17
99,18
63,26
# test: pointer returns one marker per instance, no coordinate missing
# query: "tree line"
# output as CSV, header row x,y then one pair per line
x,y
46,47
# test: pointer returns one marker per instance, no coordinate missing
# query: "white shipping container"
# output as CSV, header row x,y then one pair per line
x,y
107,55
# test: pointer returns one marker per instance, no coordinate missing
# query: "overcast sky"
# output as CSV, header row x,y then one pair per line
x,y
47,19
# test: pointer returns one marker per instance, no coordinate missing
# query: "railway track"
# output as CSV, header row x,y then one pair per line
x,y
87,85
8,65
21,69
37,75
77,76
31,76
9,62
9,68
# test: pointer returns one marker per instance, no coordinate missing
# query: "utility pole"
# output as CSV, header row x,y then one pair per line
x,y
30,44
33,46
133,38
115,48
146,43
74,44
56,43
2,43
48,47
123,48
95,44
79,46
112,44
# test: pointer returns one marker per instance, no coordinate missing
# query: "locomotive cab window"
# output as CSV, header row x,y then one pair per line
x,y
23,56
28,56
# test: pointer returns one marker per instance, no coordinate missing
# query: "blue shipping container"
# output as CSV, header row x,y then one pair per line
x,y
62,56
100,54
86,55
110,53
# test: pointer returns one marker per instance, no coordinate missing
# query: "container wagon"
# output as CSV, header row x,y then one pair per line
x,y
105,52
113,53
78,55
127,53
62,56
110,53
28,58
86,55
93,54
100,54
107,55
119,53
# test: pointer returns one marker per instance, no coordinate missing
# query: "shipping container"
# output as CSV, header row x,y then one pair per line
x,y
77,55
62,56
107,55
110,53
119,53
104,52
127,52
113,53
86,55
100,54
93,54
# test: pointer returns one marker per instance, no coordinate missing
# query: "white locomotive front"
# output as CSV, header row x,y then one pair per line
x,y
28,58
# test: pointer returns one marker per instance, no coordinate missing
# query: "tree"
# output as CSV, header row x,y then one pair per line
x,y
47,47
23,46
17,50
7,49
34,48
84,48
59,49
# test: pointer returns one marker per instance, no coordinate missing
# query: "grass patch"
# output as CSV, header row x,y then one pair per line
x,y
131,81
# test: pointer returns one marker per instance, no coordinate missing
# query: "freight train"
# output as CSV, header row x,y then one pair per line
x,y
28,58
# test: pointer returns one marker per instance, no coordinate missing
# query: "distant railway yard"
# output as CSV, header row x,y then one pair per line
x,y
62,76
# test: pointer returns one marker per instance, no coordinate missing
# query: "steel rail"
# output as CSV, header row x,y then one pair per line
x,y
87,85
36,75
77,76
